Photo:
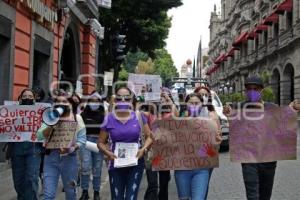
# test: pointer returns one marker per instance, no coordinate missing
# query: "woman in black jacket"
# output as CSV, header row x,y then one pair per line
x,y
93,116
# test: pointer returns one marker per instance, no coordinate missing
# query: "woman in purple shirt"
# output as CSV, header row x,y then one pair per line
x,y
122,125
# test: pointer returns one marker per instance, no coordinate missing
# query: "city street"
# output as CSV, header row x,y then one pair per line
x,y
226,182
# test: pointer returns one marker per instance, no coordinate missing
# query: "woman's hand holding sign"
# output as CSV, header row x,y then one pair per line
x,y
295,105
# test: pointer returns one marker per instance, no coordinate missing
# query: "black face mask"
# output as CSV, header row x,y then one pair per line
x,y
27,102
66,108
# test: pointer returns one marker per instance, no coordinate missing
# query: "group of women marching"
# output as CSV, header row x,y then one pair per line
x,y
124,120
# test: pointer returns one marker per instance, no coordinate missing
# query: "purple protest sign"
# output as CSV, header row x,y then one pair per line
x,y
271,137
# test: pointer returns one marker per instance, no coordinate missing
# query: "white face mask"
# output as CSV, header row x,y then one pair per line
x,y
94,106
205,100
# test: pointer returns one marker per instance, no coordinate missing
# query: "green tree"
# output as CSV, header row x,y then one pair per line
x,y
268,94
145,67
132,59
144,22
164,66
123,74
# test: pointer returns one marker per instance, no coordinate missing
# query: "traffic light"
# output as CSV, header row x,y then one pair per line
x,y
118,47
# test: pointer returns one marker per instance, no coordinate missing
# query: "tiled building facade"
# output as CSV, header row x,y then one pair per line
x,y
256,37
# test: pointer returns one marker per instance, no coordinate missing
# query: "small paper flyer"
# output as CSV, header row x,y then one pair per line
x,y
126,153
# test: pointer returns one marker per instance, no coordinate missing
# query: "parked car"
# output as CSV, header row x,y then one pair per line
x,y
223,121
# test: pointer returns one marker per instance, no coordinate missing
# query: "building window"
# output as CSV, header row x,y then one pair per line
x,y
265,37
256,43
275,30
289,20
41,63
5,43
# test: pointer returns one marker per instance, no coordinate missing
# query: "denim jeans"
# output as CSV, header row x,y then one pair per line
x,y
91,162
192,184
210,173
25,160
56,165
152,192
125,182
259,179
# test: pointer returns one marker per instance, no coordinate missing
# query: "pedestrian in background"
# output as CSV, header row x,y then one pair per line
x,y
25,159
91,162
62,162
207,105
193,184
122,125
160,180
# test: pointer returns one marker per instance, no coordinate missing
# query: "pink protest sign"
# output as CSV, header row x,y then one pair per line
x,y
184,144
265,136
20,123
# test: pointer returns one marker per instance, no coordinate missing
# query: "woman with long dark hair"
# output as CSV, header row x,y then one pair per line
x,y
25,159
193,184
123,127
62,161
91,162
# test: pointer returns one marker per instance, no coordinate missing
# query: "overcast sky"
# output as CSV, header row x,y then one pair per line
x,y
190,21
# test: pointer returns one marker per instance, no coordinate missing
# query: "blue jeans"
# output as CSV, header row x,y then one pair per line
x,y
91,162
25,160
125,182
56,165
192,184
210,173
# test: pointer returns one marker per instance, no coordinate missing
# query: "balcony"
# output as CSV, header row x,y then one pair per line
x,y
273,45
262,50
285,37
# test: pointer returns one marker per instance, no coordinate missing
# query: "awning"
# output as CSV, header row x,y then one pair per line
x,y
219,59
231,51
240,39
287,5
273,18
252,35
260,28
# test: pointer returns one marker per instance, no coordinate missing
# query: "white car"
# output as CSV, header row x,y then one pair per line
x,y
223,120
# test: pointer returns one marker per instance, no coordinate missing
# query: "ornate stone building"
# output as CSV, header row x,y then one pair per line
x,y
256,37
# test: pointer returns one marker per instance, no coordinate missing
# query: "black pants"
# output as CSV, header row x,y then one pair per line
x,y
259,179
152,189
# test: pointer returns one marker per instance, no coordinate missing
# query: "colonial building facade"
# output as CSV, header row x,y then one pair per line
x,y
43,41
256,37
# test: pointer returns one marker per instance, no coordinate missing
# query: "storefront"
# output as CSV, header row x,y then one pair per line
x,y
42,41
47,40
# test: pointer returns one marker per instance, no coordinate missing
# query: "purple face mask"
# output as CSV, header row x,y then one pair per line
x,y
123,106
194,111
253,96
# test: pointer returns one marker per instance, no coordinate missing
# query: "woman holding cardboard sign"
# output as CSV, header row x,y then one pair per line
x,y
123,130
25,159
62,141
193,184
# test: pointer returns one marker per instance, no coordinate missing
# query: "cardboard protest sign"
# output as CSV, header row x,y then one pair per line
x,y
19,123
147,85
270,137
184,144
63,135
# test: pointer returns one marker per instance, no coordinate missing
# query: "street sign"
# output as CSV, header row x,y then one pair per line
x,y
108,78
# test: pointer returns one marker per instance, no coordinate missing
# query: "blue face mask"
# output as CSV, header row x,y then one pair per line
x,y
94,106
